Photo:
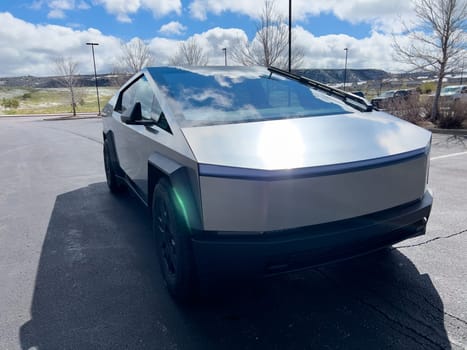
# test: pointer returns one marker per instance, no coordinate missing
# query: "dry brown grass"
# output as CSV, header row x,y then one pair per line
x,y
453,114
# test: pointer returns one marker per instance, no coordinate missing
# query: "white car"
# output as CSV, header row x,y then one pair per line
x,y
454,92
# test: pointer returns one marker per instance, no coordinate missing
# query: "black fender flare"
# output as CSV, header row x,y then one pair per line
x,y
109,137
185,188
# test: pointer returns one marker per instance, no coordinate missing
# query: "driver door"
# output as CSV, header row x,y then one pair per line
x,y
135,143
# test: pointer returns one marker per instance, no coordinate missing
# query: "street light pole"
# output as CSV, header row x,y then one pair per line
x,y
290,35
345,67
225,55
462,71
95,75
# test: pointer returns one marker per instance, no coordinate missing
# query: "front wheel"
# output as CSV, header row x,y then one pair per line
x,y
173,244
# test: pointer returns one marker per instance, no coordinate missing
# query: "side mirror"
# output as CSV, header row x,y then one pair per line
x,y
135,115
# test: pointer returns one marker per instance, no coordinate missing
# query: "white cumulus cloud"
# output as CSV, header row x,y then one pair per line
x,y
30,49
58,8
123,9
383,15
56,13
327,51
172,28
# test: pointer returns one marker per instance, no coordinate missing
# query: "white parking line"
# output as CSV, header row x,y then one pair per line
x,y
449,155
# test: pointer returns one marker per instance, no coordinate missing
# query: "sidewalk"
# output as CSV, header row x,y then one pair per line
x,y
59,116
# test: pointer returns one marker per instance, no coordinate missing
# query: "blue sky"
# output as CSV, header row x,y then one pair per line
x,y
144,25
34,31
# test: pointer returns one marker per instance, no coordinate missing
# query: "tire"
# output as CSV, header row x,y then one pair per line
x,y
114,183
172,244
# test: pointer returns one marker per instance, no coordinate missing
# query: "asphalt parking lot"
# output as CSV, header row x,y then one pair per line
x,y
78,271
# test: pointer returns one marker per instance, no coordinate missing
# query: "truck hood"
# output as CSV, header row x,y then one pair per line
x,y
305,142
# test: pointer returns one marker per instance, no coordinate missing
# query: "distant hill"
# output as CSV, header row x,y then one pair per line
x,y
334,76
327,76
52,82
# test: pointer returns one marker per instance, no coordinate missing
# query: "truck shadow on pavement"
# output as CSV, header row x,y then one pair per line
x,y
98,286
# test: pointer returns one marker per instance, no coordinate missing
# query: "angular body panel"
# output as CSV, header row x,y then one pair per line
x,y
249,204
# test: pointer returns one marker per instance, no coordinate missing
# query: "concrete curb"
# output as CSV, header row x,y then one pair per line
x,y
65,116
73,118
448,131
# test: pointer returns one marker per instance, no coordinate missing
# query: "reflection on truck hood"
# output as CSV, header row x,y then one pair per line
x,y
305,142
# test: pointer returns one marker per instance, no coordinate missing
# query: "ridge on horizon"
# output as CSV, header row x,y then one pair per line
x,y
326,76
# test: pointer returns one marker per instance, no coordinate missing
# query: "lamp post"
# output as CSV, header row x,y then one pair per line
x,y
225,55
290,35
462,71
345,67
95,75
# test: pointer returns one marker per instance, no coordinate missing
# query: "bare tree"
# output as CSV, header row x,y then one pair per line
x,y
67,71
136,55
190,53
270,45
119,75
439,42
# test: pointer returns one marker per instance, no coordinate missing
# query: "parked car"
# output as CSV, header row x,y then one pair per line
x,y
250,171
454,92
392,98
359,93
452,95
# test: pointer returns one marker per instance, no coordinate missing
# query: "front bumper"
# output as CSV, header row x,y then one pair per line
x,y
230,255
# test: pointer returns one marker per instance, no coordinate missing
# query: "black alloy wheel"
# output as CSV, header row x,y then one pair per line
x,y
173,244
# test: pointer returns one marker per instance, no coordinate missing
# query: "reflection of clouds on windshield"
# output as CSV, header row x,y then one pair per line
x,y
223,81
228,81
215,98
174,107
210,115
236,74
332,100
214,95
206,107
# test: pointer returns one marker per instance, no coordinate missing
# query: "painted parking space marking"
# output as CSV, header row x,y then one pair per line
x,y
449,155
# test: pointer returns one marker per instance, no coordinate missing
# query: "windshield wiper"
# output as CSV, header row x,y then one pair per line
x,y
352,100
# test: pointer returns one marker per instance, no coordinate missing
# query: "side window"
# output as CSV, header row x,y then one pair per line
x,y
140,91
127,100
145,96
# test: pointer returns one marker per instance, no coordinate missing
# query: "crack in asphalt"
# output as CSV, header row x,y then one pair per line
x,y
430,240
455,317
428,301
391,319
402,325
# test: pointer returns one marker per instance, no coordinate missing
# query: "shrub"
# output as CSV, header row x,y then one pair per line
x,y
10,103
453,116
412,109
428,87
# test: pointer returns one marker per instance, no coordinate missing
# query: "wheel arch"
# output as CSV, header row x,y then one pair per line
x,y
183,181
109,137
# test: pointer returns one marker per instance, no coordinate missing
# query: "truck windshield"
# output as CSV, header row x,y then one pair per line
x,y
210,96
